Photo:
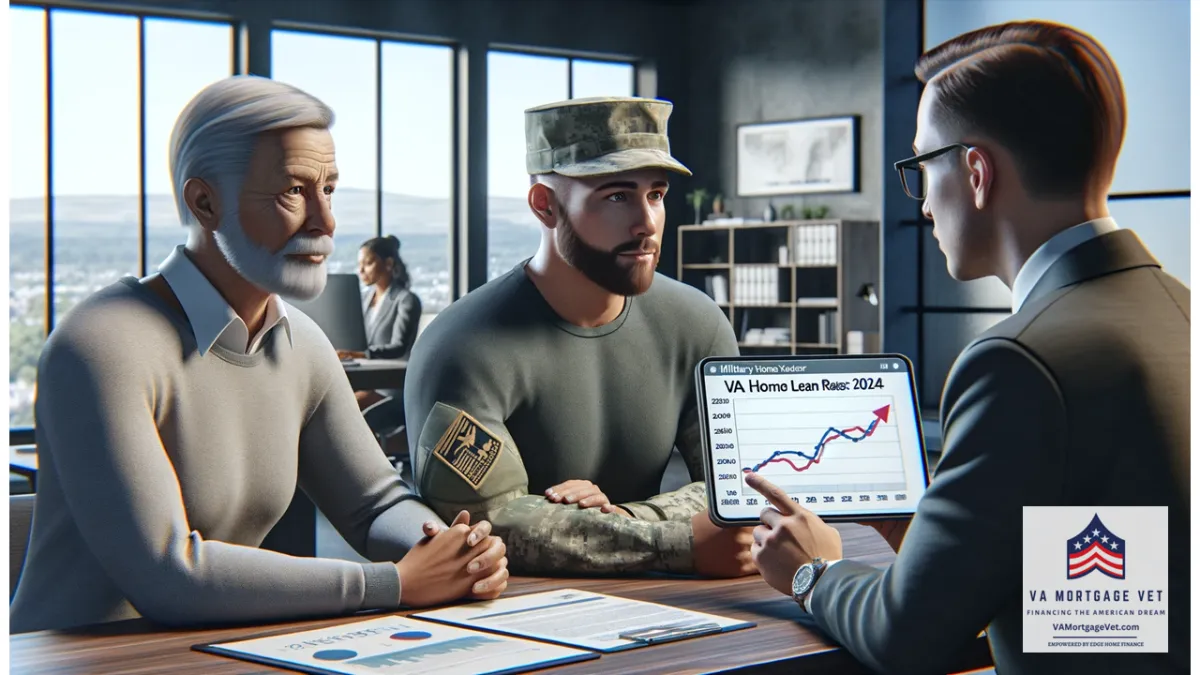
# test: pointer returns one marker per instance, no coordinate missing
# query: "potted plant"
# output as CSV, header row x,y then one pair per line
x,y
697,197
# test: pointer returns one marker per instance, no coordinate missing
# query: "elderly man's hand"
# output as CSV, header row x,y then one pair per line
x,y
790,536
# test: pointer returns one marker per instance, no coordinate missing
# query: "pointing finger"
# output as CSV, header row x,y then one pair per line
x,y
773,493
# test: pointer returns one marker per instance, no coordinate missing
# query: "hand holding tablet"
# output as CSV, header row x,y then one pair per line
x,y
839,435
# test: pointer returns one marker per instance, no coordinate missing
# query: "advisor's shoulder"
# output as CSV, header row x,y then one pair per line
x,y
996,358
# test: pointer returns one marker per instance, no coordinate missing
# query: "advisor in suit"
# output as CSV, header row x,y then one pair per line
x,y
391,310
1081,397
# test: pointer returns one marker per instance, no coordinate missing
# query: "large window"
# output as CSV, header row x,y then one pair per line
x,y
518,81
393,104
182,57
89,176
96,96
1149,40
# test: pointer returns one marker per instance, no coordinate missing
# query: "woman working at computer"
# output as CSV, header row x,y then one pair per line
x,y
391,310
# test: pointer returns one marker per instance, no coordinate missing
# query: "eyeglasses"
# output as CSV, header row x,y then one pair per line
x,y
912,176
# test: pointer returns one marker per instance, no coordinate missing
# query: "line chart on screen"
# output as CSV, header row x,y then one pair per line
x,y
805,445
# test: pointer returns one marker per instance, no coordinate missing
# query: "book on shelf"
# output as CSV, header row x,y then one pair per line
x,y
827,327
731,221
816,302
717,287
816,245
770,336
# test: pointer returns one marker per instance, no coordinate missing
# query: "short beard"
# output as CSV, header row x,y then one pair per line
x,y
604,268
274,272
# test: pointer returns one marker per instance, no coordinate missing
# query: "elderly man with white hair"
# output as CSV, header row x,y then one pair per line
x,y
178,413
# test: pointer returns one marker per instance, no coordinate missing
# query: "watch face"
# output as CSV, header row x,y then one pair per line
x,y
803,580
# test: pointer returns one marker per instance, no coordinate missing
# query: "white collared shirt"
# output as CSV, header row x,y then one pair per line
x,y
1052,250
213,321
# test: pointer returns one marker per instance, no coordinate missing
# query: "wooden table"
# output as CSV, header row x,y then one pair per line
x,y
367,374
778,644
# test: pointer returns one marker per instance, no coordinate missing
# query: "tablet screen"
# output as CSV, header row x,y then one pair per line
x,y
840,434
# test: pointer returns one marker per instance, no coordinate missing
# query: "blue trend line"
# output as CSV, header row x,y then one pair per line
x,y
831,434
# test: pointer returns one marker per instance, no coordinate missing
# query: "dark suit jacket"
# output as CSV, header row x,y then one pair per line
x,y
1080,398
394,329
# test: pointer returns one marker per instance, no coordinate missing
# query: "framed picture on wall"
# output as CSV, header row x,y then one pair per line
x,y
807,156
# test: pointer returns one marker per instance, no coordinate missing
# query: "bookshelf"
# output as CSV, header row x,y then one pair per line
x,y
790,287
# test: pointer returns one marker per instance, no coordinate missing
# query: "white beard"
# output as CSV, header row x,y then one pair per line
x,y
275,272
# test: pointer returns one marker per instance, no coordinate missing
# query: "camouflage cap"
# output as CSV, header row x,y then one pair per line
x,y
599,136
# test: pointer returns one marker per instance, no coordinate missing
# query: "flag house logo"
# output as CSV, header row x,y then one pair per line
x,y
1095,549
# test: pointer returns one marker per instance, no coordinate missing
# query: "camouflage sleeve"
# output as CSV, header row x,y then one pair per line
x,y
691,499
461,464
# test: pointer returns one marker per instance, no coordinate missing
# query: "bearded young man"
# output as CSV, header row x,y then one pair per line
x,y
536,398
177,414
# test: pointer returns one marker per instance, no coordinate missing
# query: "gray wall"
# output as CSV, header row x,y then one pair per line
x,y
779,60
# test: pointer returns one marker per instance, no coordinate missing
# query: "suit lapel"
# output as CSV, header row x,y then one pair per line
x,y
1106,254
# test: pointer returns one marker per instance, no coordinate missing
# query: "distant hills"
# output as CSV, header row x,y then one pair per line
x,y
354,209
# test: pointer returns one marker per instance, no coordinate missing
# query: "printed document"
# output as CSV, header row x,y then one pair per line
x,y
395,644
583,619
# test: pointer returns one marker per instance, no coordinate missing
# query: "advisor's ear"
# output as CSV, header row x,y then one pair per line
x,y
982,173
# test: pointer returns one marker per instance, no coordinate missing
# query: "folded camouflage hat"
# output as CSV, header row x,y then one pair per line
x,y
599,136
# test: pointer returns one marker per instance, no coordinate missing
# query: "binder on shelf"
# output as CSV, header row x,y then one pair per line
x,y
756,285
816,245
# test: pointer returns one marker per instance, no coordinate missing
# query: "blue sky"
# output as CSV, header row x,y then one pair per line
x,y
95,92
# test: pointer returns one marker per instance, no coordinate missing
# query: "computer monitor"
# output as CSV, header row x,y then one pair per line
x,y
338,311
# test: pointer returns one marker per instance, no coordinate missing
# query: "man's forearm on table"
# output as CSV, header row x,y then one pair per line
x,y
679,504
546,538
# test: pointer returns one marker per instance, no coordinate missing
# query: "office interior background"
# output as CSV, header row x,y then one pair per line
x,y
429,97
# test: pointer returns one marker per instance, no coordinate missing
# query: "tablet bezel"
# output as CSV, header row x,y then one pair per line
x,y
702,411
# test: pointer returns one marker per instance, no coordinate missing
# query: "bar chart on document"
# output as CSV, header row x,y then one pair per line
x,y
835,442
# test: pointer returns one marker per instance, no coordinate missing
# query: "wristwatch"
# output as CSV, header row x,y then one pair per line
x,y
805,578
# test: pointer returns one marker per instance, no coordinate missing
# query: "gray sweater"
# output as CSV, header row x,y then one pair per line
x,y
161,471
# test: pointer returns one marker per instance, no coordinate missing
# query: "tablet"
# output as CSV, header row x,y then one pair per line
x,y
841,434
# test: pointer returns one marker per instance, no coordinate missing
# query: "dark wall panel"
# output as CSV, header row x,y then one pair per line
x,y
783,60
942,290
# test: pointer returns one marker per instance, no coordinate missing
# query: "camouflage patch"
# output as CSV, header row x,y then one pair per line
x,y
469,449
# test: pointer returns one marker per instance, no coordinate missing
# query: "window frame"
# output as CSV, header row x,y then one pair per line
x,y
141,15
905,27
457,132
570,57
247,38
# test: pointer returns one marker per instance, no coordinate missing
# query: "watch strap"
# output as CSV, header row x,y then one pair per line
x,y
818,566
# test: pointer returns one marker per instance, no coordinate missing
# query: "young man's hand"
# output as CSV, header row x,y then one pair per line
x,y
721,551
585,493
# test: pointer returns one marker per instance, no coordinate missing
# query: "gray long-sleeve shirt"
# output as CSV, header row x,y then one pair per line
x,y
500,369
162,469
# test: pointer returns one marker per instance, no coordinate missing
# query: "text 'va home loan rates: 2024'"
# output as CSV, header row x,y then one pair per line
x,y
840,434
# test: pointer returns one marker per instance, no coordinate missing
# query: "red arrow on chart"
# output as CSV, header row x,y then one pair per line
x,y
882,413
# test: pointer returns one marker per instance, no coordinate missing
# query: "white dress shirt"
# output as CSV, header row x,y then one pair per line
x,y
213,321
1046,254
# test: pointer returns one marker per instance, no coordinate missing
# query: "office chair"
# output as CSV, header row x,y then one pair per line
x,y
20,521
386,420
